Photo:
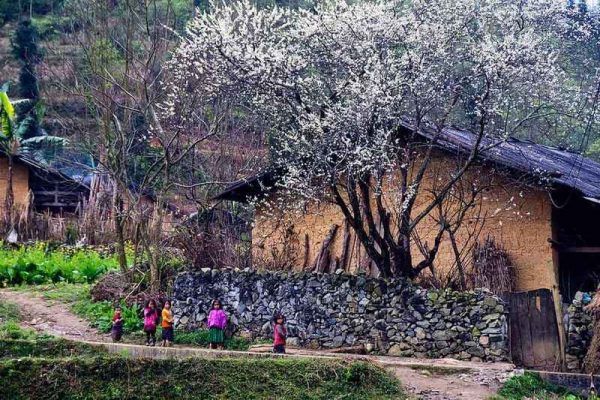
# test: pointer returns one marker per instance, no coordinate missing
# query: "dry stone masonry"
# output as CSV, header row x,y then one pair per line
x,y
335,310
579,327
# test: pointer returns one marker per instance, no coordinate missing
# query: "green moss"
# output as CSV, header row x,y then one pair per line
x,y
16,348
121,378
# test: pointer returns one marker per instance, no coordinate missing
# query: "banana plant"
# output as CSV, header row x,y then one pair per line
x,y
13,143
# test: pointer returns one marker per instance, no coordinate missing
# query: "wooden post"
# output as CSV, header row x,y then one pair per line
x,y
306,252
562,334
323,258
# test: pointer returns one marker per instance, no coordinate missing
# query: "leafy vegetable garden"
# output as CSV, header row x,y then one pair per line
x,y
38,264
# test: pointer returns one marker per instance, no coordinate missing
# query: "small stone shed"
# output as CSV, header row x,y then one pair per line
x,y
543,208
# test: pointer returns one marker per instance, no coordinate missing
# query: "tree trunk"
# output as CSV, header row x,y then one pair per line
x,y
9,199
119,228
459,264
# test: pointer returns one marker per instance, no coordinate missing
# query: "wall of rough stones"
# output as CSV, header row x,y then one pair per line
x,y
579,327
335,310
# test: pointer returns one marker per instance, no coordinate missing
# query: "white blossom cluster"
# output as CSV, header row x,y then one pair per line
x,y
333,84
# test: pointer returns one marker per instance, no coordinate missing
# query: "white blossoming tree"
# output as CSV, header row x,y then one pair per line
x,y
337,86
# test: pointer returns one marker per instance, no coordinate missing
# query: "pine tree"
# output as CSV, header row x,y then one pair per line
x,y
26,50
582,7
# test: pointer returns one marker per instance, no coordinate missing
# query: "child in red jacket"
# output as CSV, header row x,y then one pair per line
x,y
279,334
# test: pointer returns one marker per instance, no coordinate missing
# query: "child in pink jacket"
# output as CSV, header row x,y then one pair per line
x,y
217,320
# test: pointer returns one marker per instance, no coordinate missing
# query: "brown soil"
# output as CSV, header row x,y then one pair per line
x,y
426,379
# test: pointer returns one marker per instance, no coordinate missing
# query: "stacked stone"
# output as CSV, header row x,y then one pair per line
x,y
335,310
579,331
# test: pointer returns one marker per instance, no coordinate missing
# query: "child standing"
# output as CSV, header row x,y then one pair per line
x,y
150,322
116,331
167,325
217,320
279,334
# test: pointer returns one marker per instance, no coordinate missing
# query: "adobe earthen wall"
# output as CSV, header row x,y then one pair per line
x,y
518,216
20,183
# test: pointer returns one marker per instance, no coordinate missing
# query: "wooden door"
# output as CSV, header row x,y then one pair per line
x,y
533,330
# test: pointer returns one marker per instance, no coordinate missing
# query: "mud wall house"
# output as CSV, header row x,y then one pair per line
x,y
542,205
41,187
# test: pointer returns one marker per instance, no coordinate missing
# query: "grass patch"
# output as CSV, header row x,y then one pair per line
x,y
120,378
532,386
200,338
46,347
9,312
12,330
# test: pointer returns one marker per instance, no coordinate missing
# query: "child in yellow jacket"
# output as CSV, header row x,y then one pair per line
x,y
167,325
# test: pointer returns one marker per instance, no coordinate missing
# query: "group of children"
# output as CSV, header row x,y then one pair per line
x,y
217,321
151,319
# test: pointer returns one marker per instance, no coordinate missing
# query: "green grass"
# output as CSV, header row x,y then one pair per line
x,y
121,378
9,312
46,347
532,386
38,264
200,338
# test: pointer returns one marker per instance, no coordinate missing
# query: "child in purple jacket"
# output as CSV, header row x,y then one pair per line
x,y
217,320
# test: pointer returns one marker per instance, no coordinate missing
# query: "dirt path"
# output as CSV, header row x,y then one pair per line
x,y
53,318
476,385
426,379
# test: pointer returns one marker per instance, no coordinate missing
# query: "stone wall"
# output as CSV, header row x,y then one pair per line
x,y
335,310
579,326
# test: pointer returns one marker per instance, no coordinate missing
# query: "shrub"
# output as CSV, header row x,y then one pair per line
x,y
100,315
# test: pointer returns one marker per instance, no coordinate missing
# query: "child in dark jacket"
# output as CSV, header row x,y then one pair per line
x,y
279,334
116,331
